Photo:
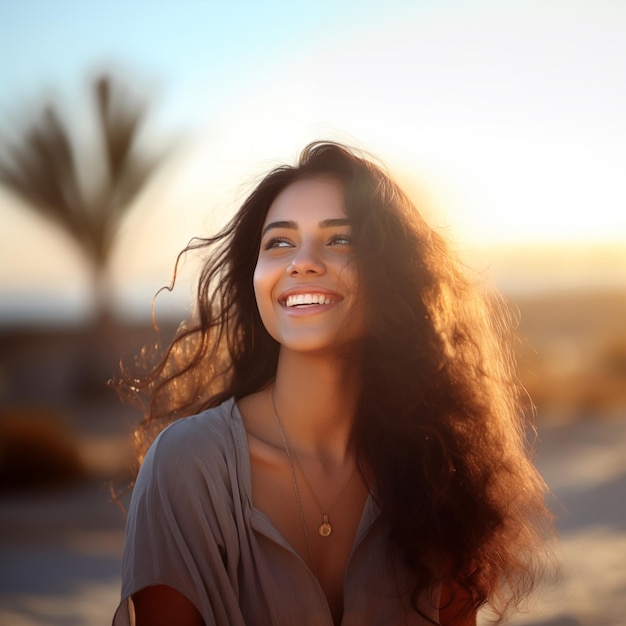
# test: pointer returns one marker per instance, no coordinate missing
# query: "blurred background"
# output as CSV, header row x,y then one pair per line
x,y
129,127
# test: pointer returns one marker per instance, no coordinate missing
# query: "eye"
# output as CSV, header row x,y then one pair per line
x,y
277,242
340,240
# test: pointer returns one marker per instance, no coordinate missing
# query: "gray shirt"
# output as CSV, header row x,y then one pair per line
x,y
192,526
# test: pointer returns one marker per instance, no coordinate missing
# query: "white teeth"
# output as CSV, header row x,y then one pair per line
x,y
307,298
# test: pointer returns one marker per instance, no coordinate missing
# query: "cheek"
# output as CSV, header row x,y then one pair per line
x,y
262,284
257,284
350,277
352,280
260,281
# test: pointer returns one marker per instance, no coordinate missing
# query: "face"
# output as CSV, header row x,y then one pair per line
x,y
306,281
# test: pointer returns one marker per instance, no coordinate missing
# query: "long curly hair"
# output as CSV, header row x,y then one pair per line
x,y
442,424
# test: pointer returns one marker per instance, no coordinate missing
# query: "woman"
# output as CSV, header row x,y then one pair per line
x,y
355,453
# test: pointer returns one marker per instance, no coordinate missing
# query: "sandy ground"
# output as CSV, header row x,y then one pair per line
x,y
60,552
585,465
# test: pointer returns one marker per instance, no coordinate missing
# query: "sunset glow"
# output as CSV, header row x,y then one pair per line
x,y
507,118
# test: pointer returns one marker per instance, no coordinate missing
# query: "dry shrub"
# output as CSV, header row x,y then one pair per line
x,y
37,450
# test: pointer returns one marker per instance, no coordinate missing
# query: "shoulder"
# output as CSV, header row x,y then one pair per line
x,y
212,428
201,446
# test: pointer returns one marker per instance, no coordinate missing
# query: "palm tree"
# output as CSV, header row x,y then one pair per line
x,y
45,169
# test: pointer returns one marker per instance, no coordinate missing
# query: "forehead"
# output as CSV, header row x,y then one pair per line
x,y
308,200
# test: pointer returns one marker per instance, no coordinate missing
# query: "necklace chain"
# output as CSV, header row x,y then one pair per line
x,y
295,488
325,528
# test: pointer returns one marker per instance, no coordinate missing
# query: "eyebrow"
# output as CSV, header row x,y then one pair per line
x,y
335,222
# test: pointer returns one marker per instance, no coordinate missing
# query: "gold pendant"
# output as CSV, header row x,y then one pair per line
x,y
325,528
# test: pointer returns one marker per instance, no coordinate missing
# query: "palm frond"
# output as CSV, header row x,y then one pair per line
x,y
43,168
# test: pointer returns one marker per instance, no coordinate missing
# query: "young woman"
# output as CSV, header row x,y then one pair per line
x,y
353,445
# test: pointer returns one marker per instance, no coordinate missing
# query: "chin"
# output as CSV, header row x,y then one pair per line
x,y
315,346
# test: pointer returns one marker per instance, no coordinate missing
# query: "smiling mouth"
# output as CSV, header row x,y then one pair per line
x,y
307,299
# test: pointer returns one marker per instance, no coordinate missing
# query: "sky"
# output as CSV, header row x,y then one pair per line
x,y
505,119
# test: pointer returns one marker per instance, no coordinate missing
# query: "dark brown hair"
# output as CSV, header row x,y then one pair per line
x,y
440,426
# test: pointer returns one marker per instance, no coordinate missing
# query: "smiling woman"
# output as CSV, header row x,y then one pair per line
x,y
347,444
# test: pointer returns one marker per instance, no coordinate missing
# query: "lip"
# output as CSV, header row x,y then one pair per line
x,y
309,289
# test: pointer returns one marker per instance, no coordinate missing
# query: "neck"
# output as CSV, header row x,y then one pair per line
x,y
316,400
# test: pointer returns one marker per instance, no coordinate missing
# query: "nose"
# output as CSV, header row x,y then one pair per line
x,y
305,261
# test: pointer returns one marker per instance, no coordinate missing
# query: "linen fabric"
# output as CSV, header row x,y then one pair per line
x,y
192,526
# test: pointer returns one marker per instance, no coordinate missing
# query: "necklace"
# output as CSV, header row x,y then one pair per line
x,y
325,528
